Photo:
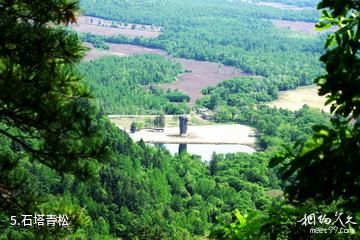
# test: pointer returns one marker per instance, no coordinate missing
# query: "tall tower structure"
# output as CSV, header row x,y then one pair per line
x,y
183,124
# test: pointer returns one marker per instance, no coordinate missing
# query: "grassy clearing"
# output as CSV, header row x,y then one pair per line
x,y
295,99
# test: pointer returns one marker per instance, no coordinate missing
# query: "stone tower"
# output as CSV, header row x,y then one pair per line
x,y
183,124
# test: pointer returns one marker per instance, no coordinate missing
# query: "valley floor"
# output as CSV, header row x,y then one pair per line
x,y
294,99
206,134
199,75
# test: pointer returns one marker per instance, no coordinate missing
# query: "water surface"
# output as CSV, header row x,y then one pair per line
x,y
205,151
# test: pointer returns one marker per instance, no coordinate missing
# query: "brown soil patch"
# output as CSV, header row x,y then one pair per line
x,y
94,53
306,27
281,6
127,50
100,26
201,74
121,50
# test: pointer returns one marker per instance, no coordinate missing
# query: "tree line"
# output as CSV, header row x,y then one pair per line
x,y
128,85
205,31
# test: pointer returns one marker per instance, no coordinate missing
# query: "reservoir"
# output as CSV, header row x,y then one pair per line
x,y
205,151
202,140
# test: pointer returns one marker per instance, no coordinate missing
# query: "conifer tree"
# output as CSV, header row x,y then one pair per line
x,y
46,114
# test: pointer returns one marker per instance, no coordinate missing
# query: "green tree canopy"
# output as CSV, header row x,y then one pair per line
x,y
328,162
323,173
46,114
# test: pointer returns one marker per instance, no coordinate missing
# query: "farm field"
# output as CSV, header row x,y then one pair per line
x,y
121,50
94,53
279,6
300,26
128,50
306,27
199,75
86,24
202,75
295,99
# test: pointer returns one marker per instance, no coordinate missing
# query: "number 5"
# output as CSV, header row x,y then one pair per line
x,y
13,220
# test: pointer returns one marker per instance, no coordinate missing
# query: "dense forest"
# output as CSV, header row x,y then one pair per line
x,y
242,100
60,154
204,30
147,193
179,11
307,169
118,83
